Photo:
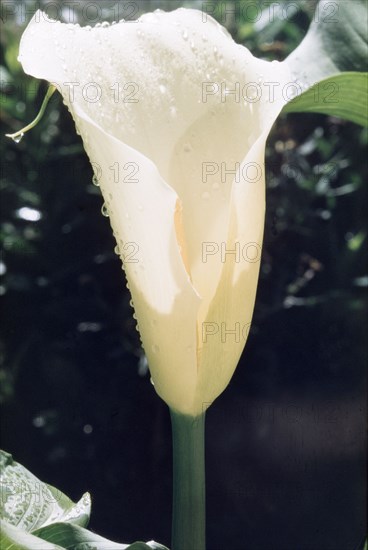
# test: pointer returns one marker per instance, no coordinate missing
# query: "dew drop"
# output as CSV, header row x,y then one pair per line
x,y
105,24
95,181
105,210
204,38
215,51
152,382
18,138
185,34
162,88
117,250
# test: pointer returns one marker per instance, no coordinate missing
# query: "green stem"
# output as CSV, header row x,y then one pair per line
x,y
50,90
189,521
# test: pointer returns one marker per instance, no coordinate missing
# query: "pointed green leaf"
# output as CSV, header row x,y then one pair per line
x,y
77,513
336,41
74,537
343,95
328,65
28,503
13,538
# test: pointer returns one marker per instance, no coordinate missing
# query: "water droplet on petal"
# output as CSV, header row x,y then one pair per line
x,y
152,382
105,210
95,181
162,88
117,250
184,34
105,24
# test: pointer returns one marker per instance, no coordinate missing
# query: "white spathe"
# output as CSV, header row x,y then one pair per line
x,y
174,117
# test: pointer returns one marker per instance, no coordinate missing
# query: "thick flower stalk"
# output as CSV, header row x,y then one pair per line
x,y
174,117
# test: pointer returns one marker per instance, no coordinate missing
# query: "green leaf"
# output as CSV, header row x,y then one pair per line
x,y
329,64
13,538
56,523
28,503
74,537
343,95
336,41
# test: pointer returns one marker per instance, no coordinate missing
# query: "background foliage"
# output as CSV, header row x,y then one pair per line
x,y
285,442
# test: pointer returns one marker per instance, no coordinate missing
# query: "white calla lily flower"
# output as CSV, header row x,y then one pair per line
x,y
174,116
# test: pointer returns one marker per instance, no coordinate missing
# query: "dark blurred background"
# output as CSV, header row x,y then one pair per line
x,y
286,440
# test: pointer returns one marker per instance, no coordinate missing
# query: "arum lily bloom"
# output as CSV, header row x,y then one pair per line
x,y
174,116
